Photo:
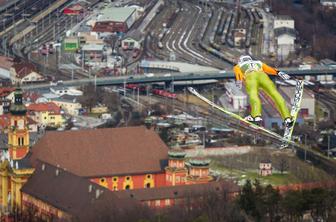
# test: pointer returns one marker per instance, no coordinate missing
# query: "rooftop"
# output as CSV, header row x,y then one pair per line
x,y
43,107
104,152
72,194
283,17
115,14
24,68
92,47
173,192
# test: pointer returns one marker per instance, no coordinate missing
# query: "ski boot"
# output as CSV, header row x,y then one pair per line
x,y
288,122
258,120
255,120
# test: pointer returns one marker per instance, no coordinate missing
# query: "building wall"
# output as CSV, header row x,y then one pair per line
x,y
93,56
129,43
285,40
110,27
47,118
43,209
69,107
131,181
32,77
284,50
278,23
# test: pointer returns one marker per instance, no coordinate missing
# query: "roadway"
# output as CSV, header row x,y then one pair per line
x,y
173,77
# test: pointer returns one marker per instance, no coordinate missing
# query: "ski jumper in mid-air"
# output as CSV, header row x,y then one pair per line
x,y
255,74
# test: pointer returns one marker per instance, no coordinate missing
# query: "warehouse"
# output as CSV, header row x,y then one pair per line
x,y
115,20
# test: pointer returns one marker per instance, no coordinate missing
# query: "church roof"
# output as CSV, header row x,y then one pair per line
x,y
72,194
103,152
181,191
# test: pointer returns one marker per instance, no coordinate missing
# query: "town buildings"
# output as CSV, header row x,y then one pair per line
x,y
46,114
115,19
265,168
24,72
284,32
94,167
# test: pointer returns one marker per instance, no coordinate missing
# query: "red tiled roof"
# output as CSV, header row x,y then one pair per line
x,y
5,91
31,96
70,193
103,152
180,191
43,107
24,68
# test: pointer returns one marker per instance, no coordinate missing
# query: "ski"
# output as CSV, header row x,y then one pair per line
x,y
231,114
296,106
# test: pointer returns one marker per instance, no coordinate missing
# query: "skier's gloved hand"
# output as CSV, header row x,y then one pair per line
x,y
239,84
283,75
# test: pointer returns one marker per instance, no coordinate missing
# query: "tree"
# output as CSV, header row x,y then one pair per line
x,y
91,96
246,199
111,101
293,205
271,201
283,165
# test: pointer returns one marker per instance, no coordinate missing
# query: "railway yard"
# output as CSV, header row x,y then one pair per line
x,y
208,34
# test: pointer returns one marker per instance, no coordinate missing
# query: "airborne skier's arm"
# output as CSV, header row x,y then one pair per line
x,y
272,71
239,76
238,73
269,70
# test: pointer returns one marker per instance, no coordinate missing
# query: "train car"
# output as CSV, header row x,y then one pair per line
x,y
164,93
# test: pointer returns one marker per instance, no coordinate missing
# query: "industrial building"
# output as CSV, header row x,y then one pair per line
x,y
235,96
307,104
92,52
115,20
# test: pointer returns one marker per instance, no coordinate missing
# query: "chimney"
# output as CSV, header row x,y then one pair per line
x,y
90,188
97,193
43,167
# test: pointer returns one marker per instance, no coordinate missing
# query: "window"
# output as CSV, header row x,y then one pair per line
x,y
149,176
167,202
20,141
102,180
157,203
128,178
115,179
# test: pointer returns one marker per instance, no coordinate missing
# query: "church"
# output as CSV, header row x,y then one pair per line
x,y
116,159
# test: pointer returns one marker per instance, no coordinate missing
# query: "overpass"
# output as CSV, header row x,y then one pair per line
x,y
173,77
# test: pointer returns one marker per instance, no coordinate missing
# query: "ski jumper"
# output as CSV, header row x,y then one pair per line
x,y
255,77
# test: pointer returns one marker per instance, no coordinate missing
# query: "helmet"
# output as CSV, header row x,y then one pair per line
x,y
244,58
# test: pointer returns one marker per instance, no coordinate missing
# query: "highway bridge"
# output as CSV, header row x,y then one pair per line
x,y
173,77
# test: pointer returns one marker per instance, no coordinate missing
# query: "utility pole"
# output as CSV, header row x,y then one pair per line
x,y
328,145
